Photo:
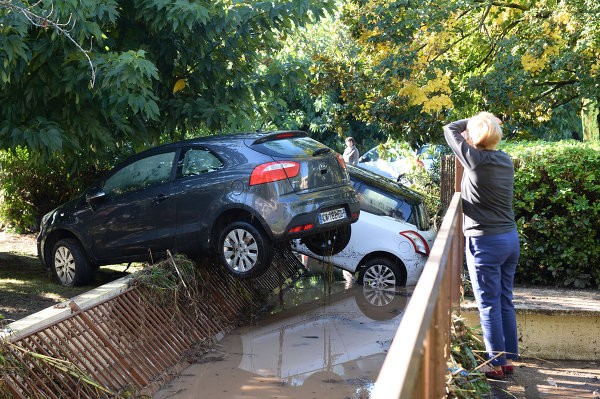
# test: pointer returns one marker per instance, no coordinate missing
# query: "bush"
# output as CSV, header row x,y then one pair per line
x,y
557,208
28,189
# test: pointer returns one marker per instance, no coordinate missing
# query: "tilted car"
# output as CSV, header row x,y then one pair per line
x,y
390,243
235,195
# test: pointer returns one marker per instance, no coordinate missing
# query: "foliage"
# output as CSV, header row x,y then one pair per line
x,y
463,379
162,68
305,81
557,208
428,61
28,190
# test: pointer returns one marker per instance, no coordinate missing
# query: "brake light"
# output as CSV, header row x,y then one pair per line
x,y
341,160
284,136
417,241
302,227
274,171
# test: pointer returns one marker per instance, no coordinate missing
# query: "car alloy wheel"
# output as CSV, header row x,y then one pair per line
x,y
244,251
70,265
381,273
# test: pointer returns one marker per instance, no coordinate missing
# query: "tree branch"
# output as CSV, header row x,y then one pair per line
x,y
47,20
555,86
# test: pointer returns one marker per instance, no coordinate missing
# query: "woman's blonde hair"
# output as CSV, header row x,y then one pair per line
x,y
484,131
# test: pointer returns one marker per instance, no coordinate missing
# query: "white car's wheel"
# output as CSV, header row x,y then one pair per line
x,y
382,272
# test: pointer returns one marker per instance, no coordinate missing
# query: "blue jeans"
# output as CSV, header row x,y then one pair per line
x,y
492,261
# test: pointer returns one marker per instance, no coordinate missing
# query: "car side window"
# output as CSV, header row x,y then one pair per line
x,y
143,173
380,203
197,161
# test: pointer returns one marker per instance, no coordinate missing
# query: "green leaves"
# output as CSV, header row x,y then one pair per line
x,y
557,207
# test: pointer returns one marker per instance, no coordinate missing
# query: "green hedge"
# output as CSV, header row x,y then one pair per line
x,y
28,189
557,208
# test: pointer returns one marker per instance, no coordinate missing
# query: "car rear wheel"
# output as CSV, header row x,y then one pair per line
x,y
381,272
329,242
70,265
244,251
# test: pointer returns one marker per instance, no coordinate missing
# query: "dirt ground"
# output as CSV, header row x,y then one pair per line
x,y
27,287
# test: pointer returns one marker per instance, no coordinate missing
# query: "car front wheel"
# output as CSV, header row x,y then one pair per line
x,y
70,265
244,251
329,242
381,273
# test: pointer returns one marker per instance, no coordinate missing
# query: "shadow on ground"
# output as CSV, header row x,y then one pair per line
x,y
550,379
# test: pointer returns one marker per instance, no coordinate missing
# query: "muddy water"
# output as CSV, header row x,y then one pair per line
x,y
320,339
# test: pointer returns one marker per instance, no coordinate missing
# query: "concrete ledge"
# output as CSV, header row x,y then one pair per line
x,y
553,323
50,315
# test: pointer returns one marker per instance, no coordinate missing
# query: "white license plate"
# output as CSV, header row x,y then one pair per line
x,y
333,215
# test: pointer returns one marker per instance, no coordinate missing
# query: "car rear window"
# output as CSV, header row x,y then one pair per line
x,y
293,147
380,203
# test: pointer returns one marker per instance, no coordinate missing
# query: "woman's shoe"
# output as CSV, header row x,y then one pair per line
x,y
495,374
508,369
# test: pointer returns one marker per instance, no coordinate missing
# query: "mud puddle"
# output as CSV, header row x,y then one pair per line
x,y
321,339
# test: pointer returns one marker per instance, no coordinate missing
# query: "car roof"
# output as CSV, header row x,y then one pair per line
x,y
253,137
247,137
384,183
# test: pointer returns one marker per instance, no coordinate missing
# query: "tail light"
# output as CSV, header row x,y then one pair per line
x,y
274,171
417,241
341,160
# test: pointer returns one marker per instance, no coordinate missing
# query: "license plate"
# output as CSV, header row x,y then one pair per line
x,y
333,215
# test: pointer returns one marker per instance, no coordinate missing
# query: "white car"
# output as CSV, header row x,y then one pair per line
x,y
398,162
392,166
390,243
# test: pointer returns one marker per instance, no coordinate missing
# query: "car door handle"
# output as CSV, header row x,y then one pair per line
x,y
160,198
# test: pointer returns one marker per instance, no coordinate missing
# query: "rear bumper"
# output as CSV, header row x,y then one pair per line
x,y
293,210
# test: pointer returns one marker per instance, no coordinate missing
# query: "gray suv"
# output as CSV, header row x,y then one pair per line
x,y
236,196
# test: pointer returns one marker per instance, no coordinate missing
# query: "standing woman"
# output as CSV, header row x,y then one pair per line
x,y
491,238
351,152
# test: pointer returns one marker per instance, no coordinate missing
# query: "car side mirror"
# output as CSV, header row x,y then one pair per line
x,y
94,197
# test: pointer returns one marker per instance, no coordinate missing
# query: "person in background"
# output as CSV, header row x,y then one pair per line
x,y
351,152
491,239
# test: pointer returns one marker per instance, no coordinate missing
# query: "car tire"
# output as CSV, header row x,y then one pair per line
x,y
382,272
330,242
70,265
244,251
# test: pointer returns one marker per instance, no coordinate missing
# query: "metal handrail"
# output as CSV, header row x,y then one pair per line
x,y
415,366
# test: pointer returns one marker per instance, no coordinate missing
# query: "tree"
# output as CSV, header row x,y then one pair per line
x,y
306,80
531,62
159,68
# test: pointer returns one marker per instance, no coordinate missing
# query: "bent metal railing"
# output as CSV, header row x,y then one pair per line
x,y
415,366
125,343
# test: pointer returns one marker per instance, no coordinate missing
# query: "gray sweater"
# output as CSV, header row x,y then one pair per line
x,y
487,185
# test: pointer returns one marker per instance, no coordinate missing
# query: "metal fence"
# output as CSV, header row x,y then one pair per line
x,y
415,366
128,343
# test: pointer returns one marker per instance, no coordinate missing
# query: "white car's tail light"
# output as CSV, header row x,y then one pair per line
x,y
417,241
274,171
